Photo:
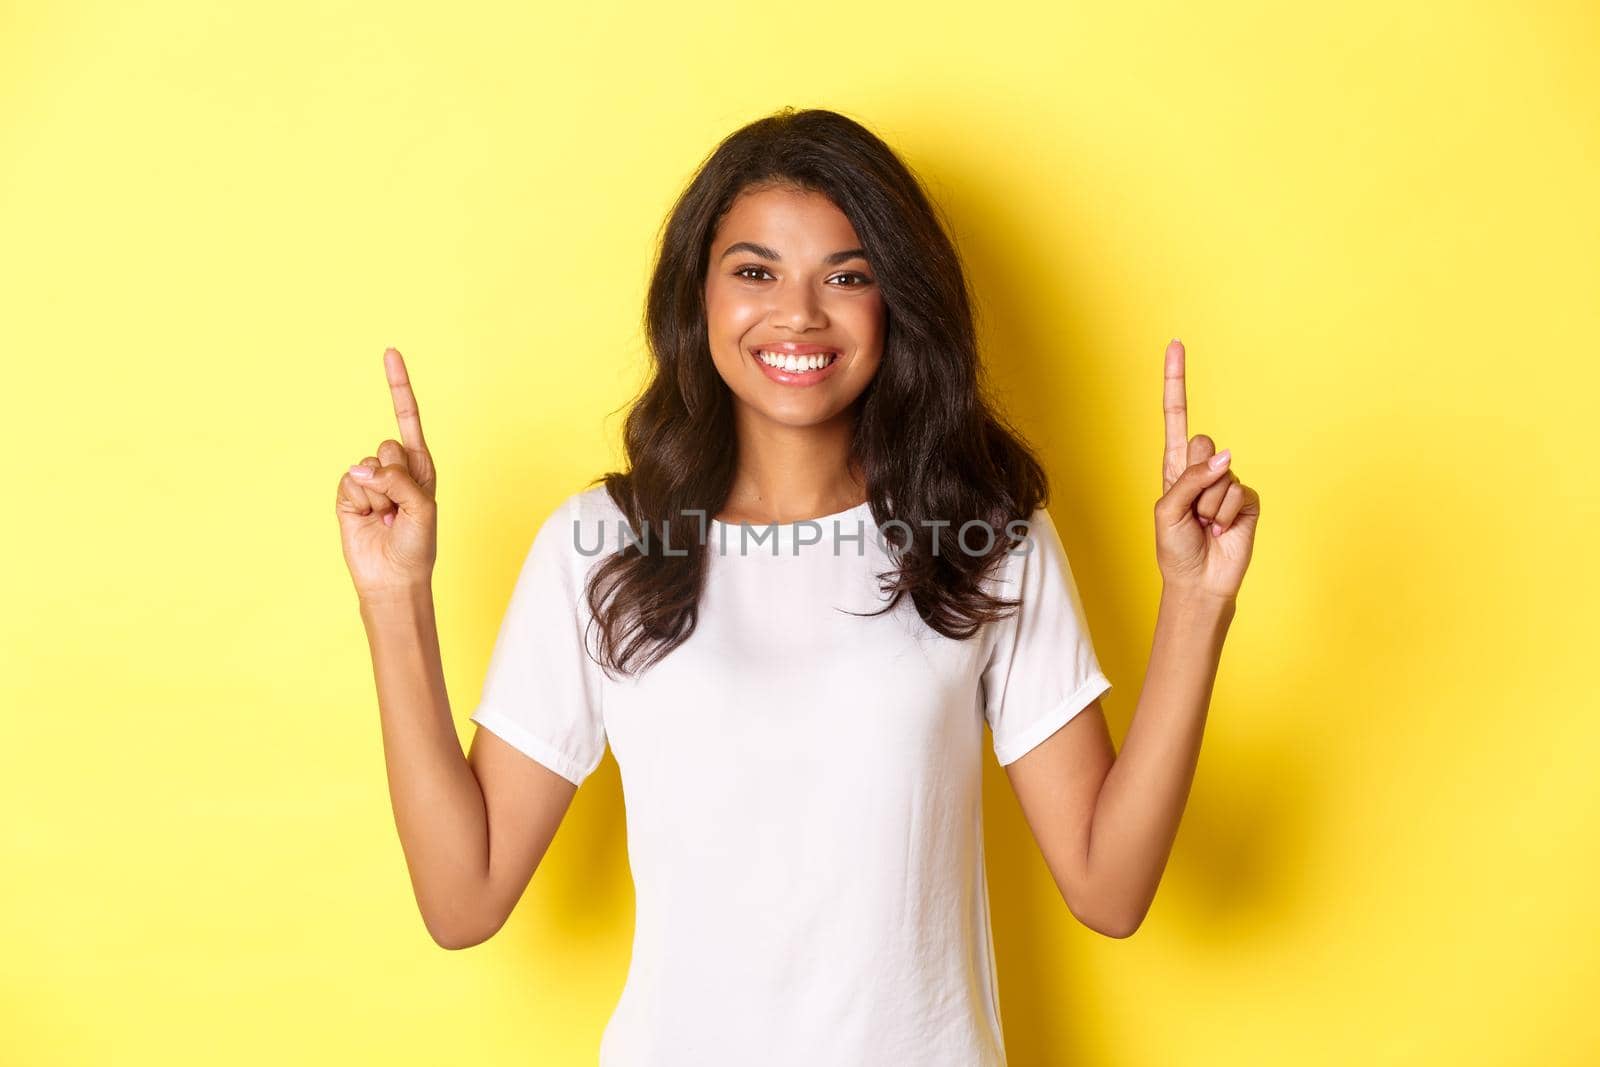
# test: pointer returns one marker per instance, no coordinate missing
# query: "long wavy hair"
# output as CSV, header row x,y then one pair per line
x,y
930,443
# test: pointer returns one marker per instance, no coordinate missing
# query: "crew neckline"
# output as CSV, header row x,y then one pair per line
x,y
787,528
818,519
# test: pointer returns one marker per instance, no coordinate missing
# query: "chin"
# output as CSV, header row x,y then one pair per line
x,y
798,417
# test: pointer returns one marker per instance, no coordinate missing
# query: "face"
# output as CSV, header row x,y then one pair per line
x,y
793,311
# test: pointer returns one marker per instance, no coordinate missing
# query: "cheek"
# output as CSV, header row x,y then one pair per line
x,y
867,323
729,312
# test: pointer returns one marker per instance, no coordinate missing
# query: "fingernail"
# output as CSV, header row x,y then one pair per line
x,y
1174,341
358,471
1216,530
1219,460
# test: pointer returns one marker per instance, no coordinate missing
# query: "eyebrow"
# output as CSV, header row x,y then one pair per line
x,y
832,259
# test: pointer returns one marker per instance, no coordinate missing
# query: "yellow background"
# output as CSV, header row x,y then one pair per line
x,y
1374,225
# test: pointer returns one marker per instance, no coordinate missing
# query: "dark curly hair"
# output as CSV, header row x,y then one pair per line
x,y
928,440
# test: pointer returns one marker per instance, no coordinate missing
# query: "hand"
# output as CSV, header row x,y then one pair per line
x,y
385,503
1206,517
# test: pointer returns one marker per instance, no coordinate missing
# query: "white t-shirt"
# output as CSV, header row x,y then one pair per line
x,y
802,786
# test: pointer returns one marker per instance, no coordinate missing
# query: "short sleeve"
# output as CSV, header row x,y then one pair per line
x,y
542,691
1041,668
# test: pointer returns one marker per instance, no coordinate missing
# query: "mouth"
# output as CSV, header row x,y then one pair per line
x,y
792,364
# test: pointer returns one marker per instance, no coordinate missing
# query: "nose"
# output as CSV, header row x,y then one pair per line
x,y
796,305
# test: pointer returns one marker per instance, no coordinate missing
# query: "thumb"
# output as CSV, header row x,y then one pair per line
x,y
395,482
1179,500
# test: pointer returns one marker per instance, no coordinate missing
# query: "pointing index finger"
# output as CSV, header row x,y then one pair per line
x,y
405,402
1175,407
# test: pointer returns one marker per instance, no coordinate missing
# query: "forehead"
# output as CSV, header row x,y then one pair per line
x,y
786,219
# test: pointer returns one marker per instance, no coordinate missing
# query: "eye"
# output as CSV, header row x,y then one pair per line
x,y
856,279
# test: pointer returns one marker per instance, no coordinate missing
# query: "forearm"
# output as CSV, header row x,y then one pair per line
x,y
438,806
1141,802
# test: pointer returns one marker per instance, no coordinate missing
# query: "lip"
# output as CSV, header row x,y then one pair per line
x,y
796,378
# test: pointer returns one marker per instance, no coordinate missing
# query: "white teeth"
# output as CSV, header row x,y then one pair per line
x,y
795,364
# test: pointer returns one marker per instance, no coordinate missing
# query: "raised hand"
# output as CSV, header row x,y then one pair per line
x,y
387,519
1206,517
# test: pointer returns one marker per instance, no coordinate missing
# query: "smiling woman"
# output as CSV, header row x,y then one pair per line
x,y
804,233
799,731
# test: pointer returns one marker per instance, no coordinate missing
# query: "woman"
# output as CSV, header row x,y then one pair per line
x,y
798,724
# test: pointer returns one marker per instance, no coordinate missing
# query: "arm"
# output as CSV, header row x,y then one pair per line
x,y
438,806
1106,822
473,829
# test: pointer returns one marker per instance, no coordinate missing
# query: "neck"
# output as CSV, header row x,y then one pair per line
x,y
788,473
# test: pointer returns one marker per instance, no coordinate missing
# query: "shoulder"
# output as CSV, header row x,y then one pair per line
x,y
592,505
1029,539
581,512
576,532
